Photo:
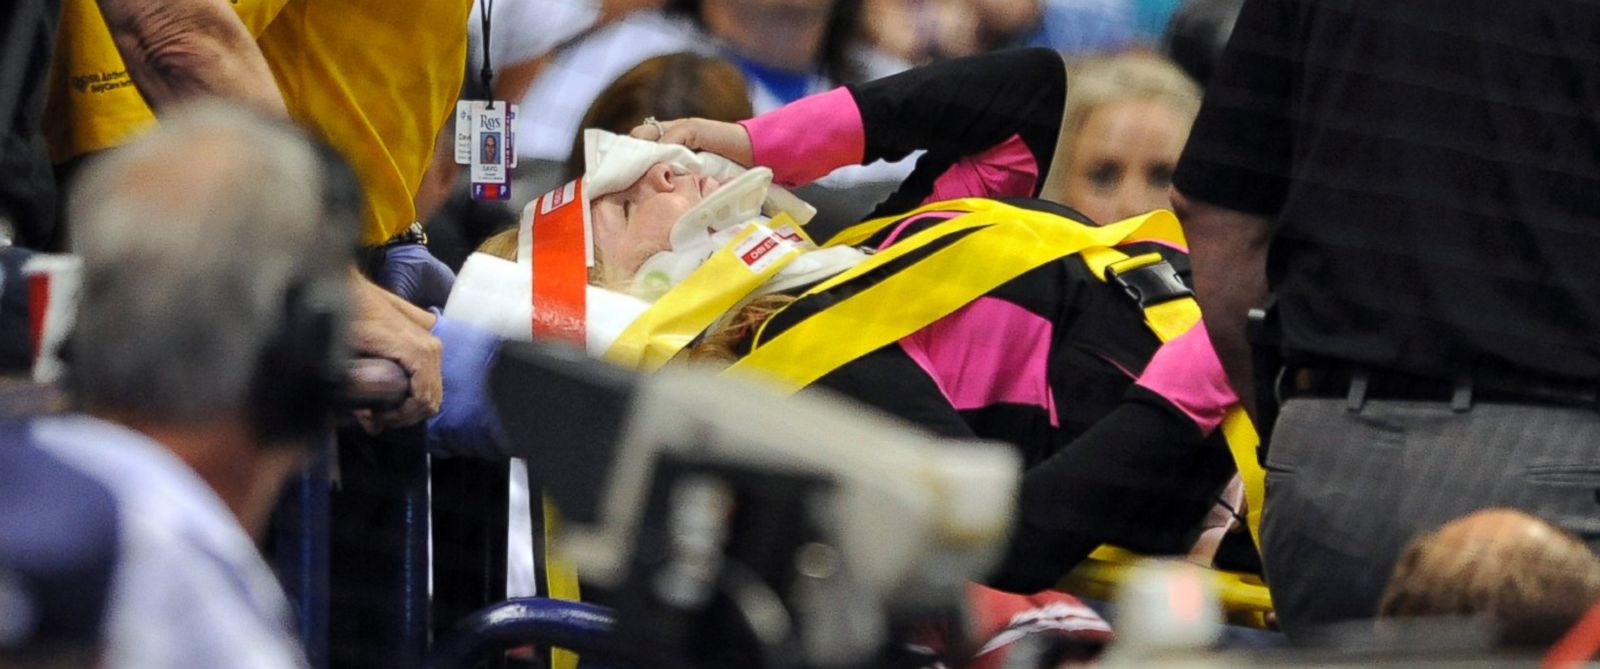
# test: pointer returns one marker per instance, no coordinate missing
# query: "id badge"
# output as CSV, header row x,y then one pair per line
x,y
466,117
484,142
511,135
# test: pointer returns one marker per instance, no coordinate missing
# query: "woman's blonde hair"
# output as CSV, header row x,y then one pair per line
x,y
723,341
502,244
1096,81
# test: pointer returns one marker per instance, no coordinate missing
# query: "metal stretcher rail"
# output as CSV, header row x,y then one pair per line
x,y
302,536
491,631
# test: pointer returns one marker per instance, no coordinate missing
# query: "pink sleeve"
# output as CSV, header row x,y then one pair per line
x,y
1187,372
1005,170
808,138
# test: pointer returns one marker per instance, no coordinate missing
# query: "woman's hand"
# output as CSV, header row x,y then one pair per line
x,y
729,140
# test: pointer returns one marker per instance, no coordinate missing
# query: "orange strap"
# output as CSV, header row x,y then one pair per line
x,y
560,271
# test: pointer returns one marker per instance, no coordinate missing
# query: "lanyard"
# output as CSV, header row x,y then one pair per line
x,y
485,8
485,138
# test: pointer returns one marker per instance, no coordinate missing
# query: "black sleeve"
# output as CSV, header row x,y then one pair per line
x,y
891,381
962,107
1238,153
1142,478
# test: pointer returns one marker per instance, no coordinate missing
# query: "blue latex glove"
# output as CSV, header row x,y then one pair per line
x,y
411,272
467,424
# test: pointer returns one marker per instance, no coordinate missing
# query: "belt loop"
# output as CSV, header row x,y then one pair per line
x,y
1461,396
1359,379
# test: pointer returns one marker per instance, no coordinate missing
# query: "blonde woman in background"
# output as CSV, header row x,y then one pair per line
x,y
1127,118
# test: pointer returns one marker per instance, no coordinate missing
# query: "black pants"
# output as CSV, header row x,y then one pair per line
x,y
1349,484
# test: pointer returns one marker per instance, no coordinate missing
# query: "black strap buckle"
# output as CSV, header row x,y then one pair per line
x,y
1148,281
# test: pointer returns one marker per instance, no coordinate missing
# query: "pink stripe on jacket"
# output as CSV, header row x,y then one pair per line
x,y
989,351
806,139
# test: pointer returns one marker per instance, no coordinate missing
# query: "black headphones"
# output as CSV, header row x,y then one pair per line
x,y
302,368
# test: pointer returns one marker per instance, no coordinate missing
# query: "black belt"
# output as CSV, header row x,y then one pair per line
x,y
1359,384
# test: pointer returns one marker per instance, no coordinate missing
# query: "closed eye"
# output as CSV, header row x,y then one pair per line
x,y
1160,175
1105,175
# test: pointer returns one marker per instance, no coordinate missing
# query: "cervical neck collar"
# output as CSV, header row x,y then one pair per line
x,y
707,226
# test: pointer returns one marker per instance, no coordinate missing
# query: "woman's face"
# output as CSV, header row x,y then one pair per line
x,y
1122,160
633,224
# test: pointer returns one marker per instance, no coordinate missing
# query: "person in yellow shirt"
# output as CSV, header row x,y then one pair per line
x,y
375,78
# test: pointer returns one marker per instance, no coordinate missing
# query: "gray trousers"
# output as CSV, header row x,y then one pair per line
x,y
1347,489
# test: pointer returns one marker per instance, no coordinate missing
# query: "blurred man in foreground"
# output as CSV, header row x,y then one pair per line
x,y
209,339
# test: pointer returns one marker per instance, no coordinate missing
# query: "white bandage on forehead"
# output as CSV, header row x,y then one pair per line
x,y
614,162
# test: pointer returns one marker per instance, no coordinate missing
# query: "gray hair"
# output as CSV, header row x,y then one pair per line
x,y
190,238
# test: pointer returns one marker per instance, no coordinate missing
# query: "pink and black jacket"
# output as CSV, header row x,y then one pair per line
x,y
1054,361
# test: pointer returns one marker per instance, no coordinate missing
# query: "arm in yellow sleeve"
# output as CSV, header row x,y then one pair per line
x,y
176,49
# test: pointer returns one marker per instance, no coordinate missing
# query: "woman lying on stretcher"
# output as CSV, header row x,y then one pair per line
x,y
956,309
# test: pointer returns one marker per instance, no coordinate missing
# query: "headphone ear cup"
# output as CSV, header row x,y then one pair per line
x,y
300,370
303,367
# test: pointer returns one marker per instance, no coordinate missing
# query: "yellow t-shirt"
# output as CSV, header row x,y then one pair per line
x,y
92,103
376,78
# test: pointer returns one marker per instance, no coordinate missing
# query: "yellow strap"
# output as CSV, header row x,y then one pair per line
x,y
1244,443
1011,240
861,232
561,578
1168,320
1245,596
677,317
912,243
1099,259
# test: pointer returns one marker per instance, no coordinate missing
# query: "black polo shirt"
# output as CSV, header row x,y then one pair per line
x,y
1432,168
